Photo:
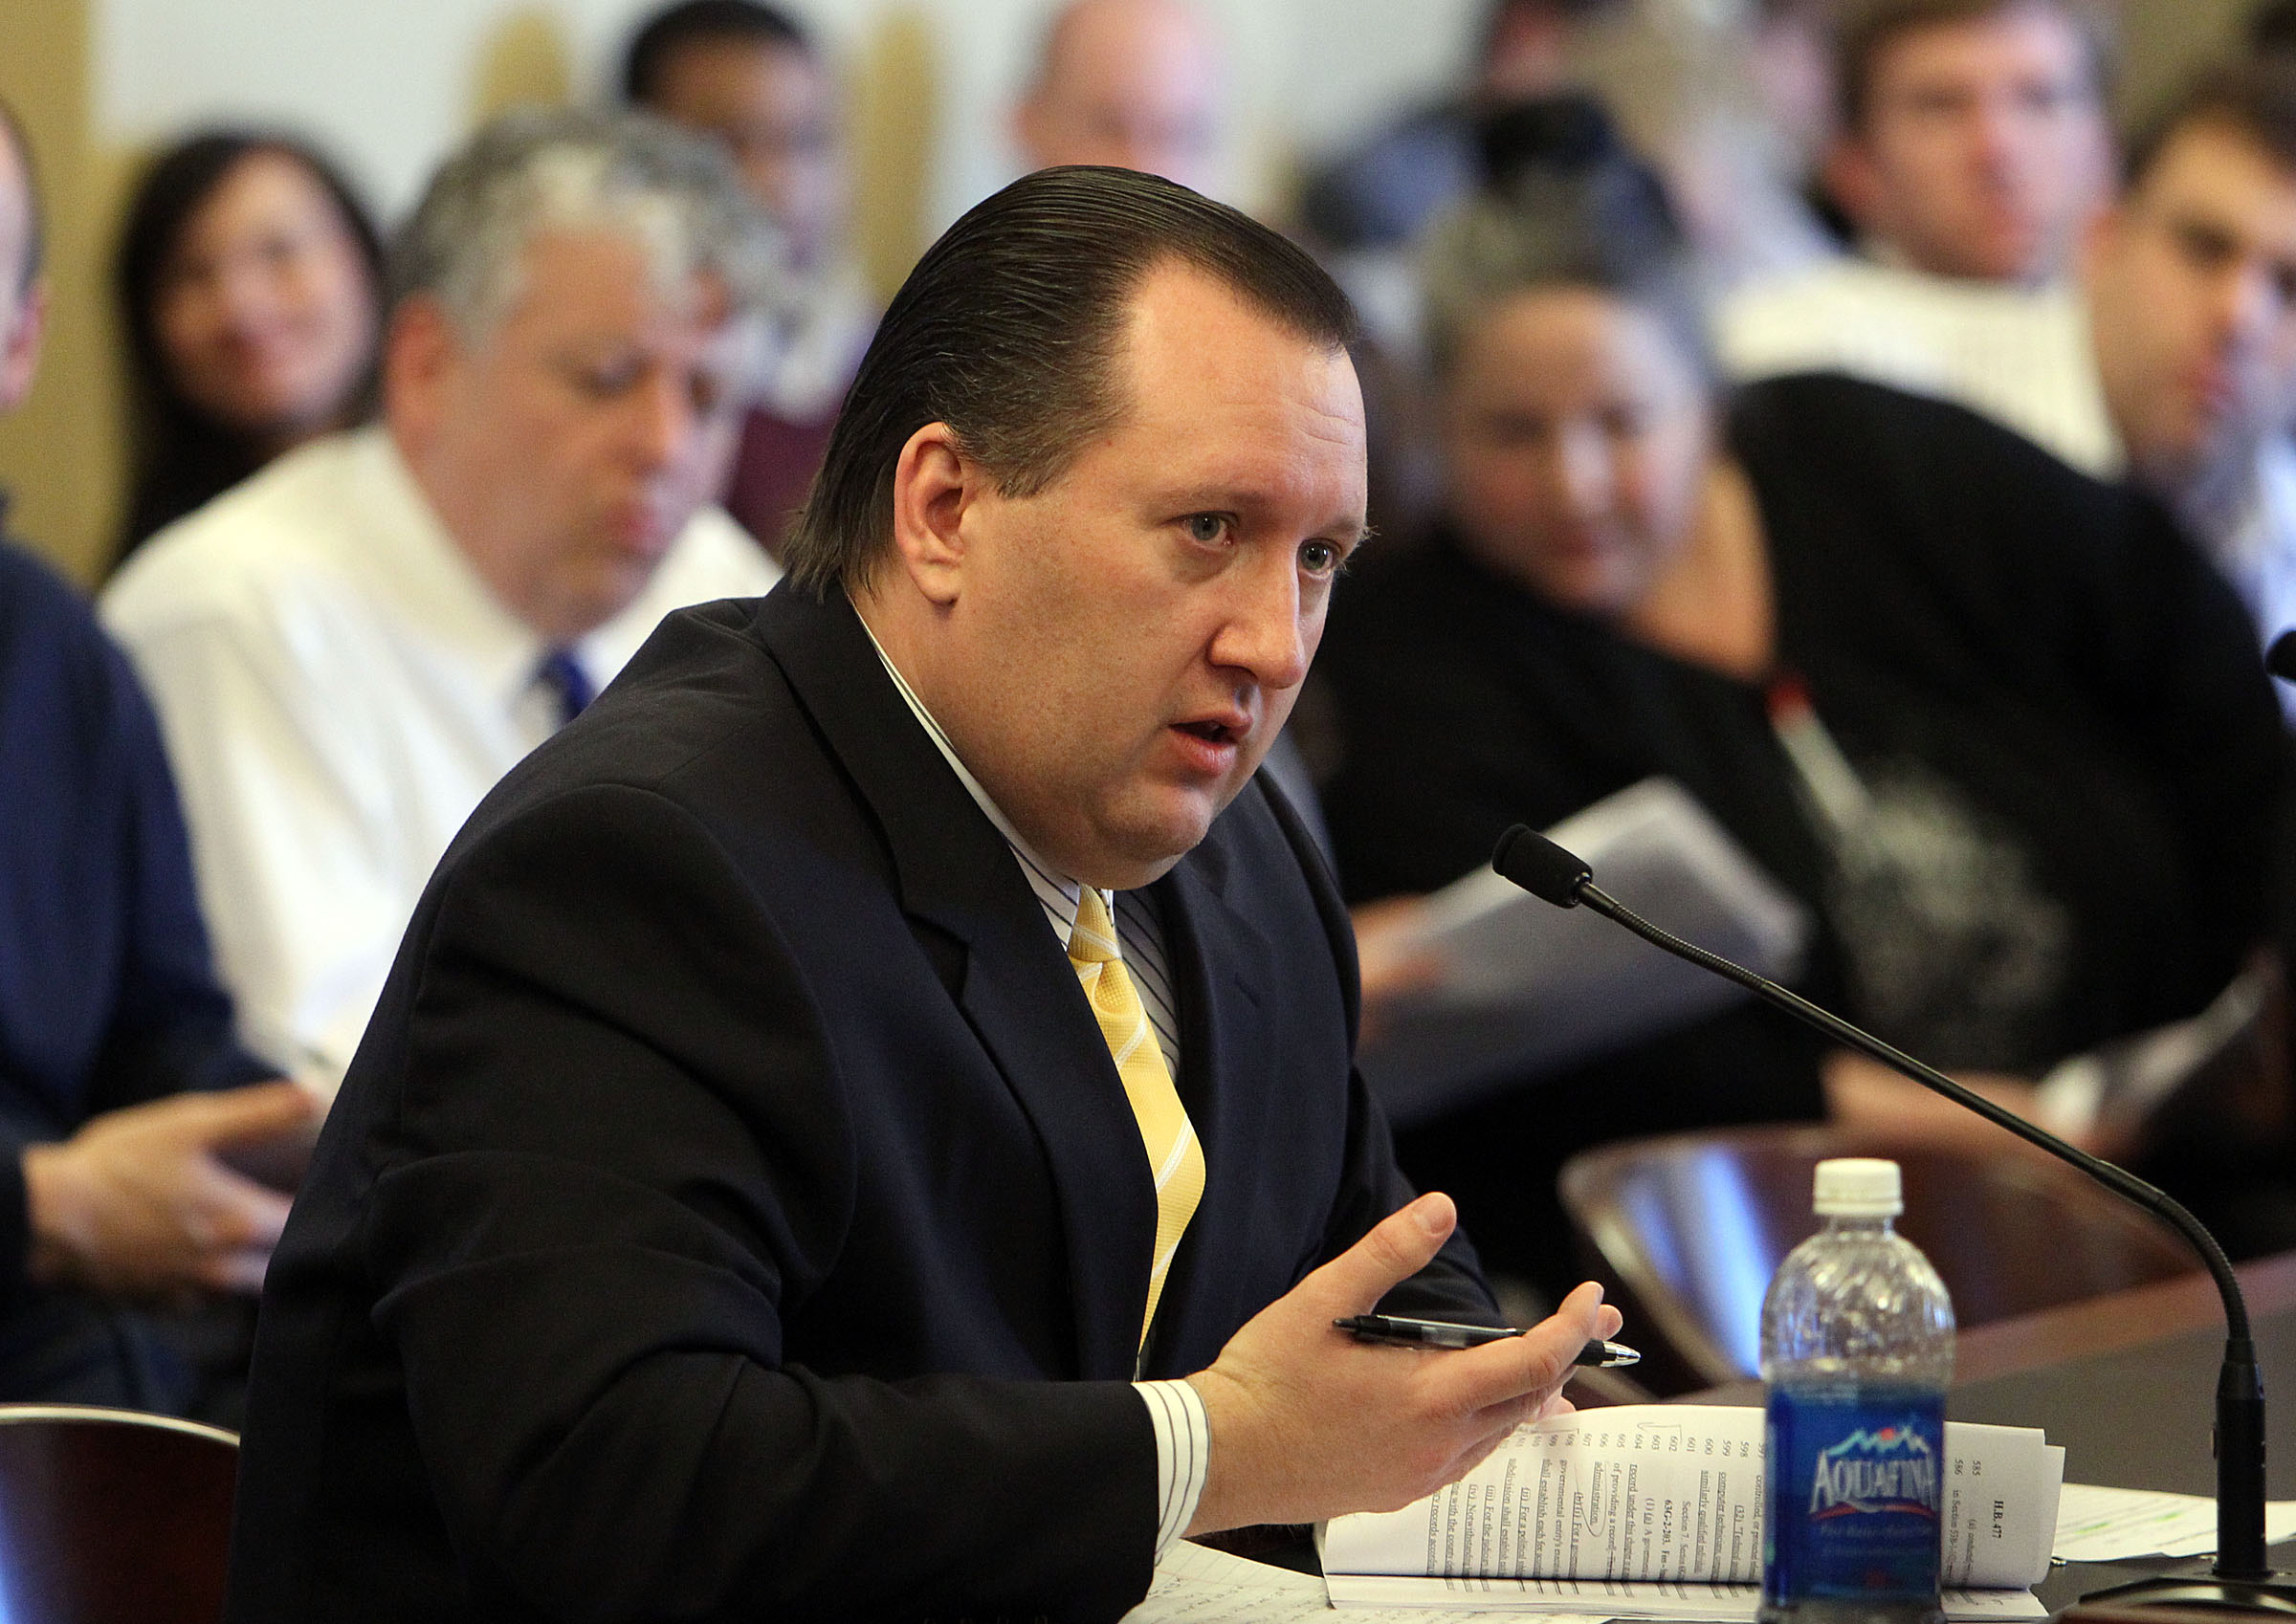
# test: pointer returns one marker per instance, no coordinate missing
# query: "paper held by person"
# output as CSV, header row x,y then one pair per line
x,y
1525,988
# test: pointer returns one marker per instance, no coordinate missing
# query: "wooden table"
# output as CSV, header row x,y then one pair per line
x,y
2127,1383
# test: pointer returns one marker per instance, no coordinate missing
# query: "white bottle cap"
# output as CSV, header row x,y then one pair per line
x,y
1858,1186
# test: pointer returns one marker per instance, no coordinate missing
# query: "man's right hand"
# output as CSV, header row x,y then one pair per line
x,y
1308,1423
138,1201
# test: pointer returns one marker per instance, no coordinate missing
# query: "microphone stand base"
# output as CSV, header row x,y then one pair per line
x,y
2195,1589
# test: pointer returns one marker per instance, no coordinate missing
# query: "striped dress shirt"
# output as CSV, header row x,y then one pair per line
x,y
1175,1409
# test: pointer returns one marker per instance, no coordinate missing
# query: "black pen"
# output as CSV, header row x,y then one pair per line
x,y
1597,1355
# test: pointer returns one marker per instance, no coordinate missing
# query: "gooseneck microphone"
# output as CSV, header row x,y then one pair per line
x,y
2241,1575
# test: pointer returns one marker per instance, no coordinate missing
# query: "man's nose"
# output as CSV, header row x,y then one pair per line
x,y
661,419
1999,133
1263,635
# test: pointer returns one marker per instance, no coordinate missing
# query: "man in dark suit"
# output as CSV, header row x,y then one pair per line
x,y
774,1185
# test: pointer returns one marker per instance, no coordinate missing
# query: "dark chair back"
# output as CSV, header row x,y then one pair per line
x,y
1685,1231
112,1517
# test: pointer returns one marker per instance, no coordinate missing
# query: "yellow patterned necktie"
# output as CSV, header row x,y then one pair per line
x,y
1174,1156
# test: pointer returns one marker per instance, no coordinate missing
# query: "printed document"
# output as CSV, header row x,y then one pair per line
x,y
1656,1511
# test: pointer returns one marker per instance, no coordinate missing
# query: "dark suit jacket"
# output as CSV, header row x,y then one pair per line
x,y
734,1210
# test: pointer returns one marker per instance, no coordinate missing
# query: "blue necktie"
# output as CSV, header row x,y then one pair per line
x,y
562,674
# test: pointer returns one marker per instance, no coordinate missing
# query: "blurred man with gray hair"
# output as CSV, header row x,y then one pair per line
x,y
347,651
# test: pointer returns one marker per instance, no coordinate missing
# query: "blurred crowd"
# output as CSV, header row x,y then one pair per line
x,y
1890,452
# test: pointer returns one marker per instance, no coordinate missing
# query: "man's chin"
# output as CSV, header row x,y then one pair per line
x,y
1149,845
603,591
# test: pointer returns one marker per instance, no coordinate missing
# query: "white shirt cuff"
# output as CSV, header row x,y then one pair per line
x,y
1183,1445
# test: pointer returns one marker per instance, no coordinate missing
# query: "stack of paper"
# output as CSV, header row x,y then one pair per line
x,y
1655,1511
1198,1586
2111,1524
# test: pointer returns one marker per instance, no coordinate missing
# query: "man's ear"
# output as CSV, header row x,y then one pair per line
x,y
933,485
420,354
20,345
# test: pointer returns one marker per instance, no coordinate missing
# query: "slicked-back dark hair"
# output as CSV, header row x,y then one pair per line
x,y
2254,98
694,22
1009,329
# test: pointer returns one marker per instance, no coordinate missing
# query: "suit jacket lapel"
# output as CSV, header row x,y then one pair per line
x,y
954,870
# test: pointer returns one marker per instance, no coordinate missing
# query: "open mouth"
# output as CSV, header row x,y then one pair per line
x,y
1211,731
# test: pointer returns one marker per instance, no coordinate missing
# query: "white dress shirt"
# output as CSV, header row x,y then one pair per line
x,y
338,689
2019,354
1183,1434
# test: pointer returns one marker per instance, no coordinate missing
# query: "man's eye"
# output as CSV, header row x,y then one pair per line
x,y
602,380
2046,97
1512,432
1210,529
1319,558
2204,245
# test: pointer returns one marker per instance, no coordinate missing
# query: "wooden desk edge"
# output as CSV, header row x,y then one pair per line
x,y
2125,1319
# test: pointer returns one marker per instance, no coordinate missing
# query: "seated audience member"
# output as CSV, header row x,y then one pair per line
x,y
1973,152
777,1183
1994,722
1134,84
1790,58
748,74
249,281
2191,279
120,1078
347,651
1745,121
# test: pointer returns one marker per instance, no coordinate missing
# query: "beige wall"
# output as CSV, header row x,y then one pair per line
x,y
2162,39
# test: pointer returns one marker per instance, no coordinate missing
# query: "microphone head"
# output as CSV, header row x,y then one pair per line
x,y
2281,659
1540,866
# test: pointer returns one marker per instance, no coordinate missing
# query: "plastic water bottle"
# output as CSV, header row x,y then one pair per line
x,y
1857,1353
